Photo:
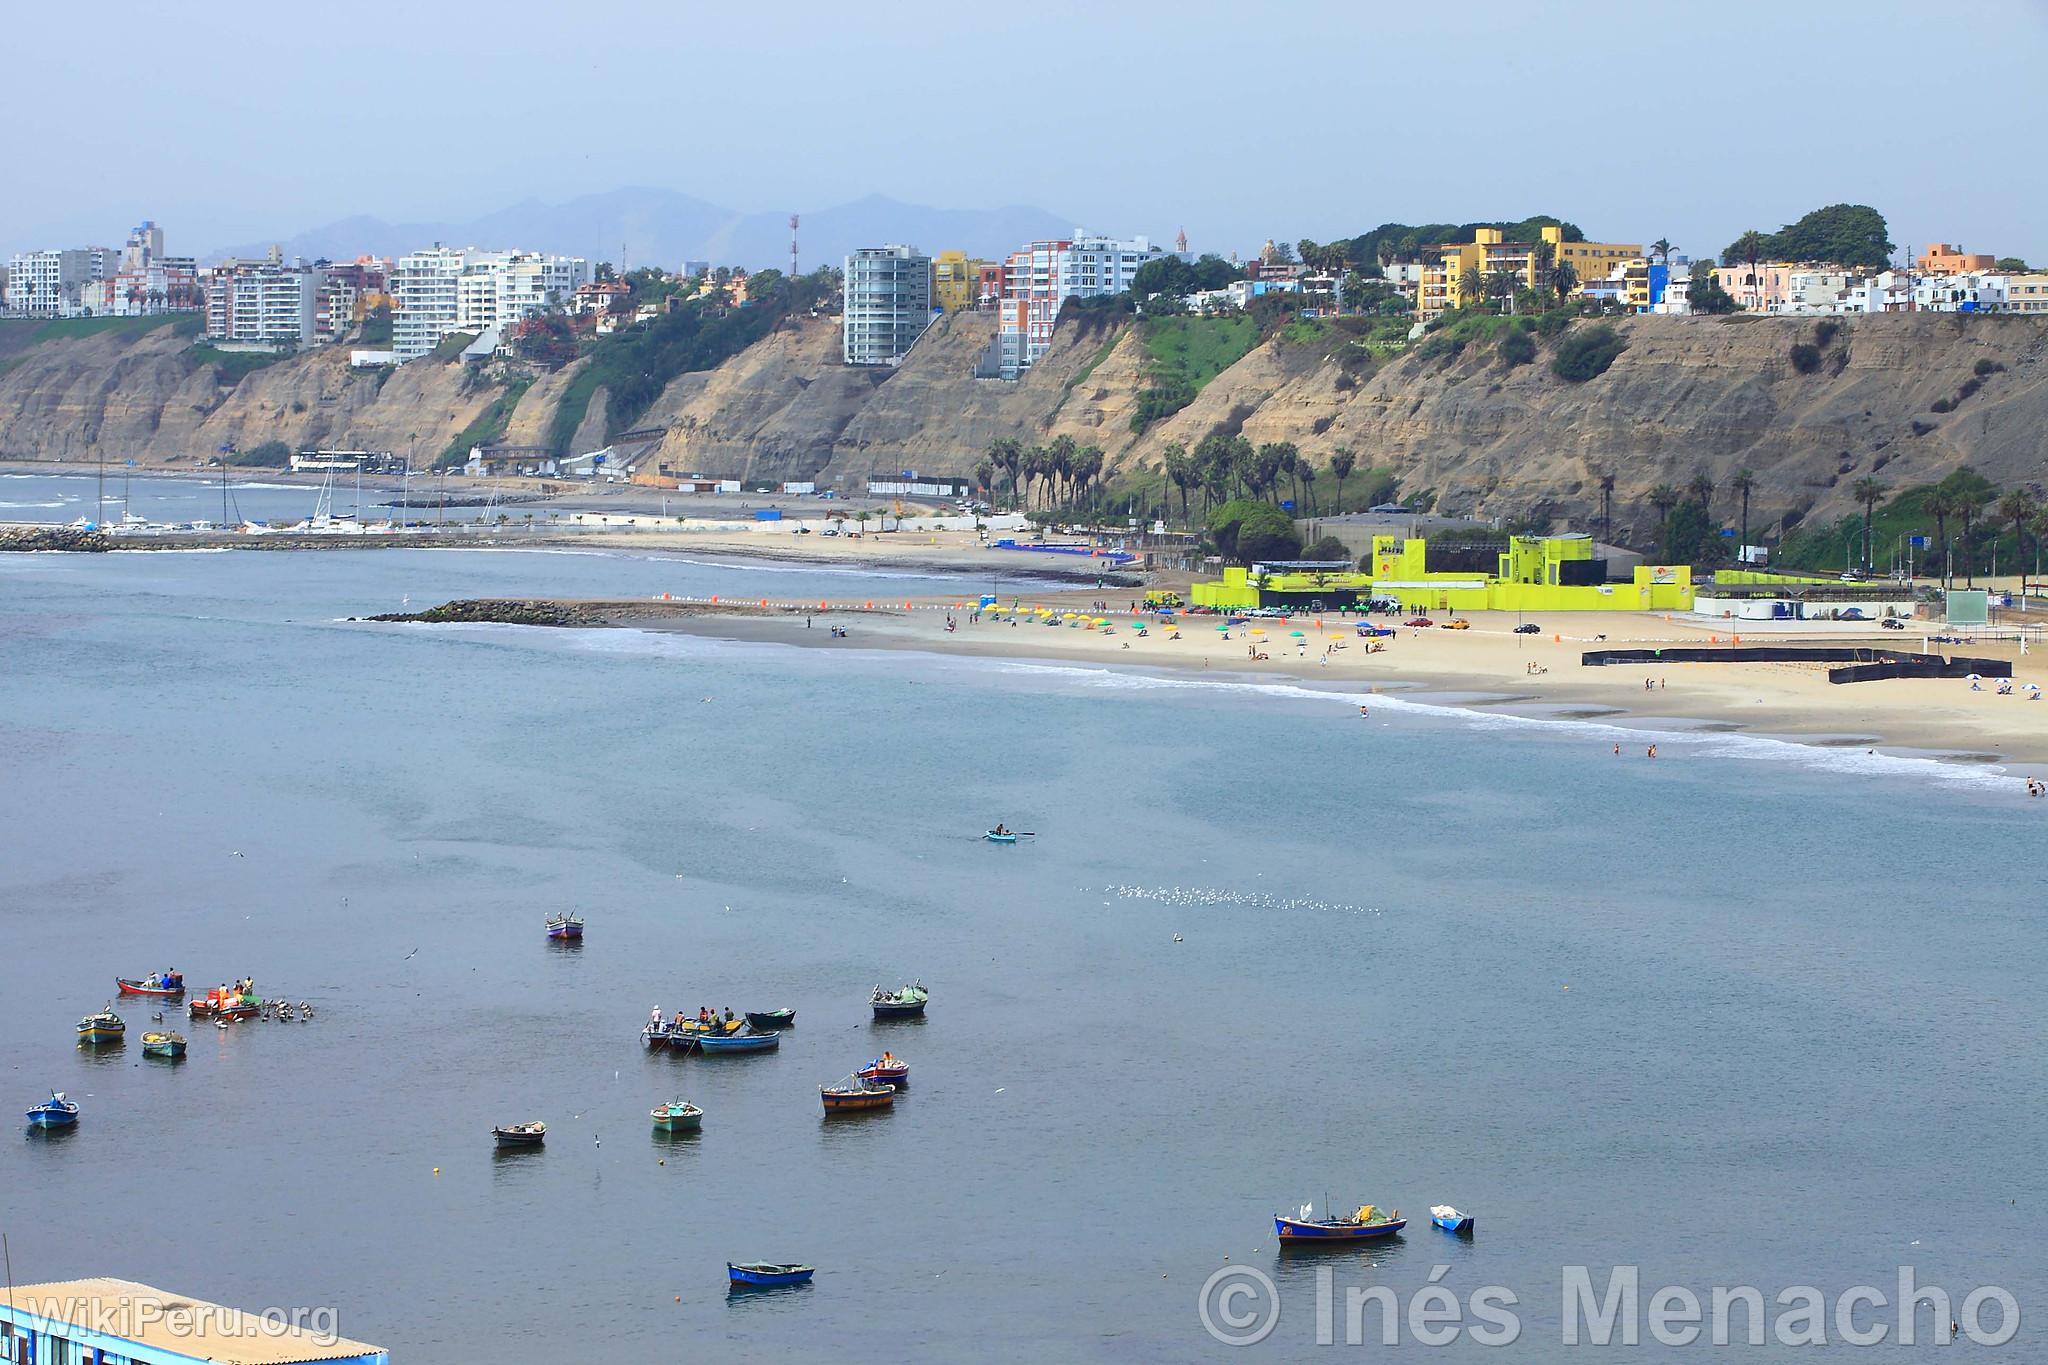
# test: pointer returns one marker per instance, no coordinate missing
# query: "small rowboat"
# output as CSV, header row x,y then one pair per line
x,y
887,1070
903,1003
149,986
565,926
677,1116
761,1275
720,1043
171,1045
104,1027
1450,1220
854,1095
54,1112
996,838
521,1134
770,1019
1368,1223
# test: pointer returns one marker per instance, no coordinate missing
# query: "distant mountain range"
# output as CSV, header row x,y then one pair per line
x,y
665,227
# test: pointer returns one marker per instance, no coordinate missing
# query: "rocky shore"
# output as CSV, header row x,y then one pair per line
x,y
66,538
574,615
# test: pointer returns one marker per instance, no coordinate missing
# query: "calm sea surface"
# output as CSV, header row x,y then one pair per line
x,y
1747,1015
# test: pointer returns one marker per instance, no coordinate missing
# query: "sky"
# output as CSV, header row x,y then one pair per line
x,y
228,121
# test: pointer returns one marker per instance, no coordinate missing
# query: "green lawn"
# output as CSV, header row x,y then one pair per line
x,y
1196,350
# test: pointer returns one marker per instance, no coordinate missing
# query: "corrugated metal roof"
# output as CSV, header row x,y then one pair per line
x,y
183,1326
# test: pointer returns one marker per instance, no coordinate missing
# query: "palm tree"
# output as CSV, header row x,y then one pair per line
x,y
1941,507
1744,481
1308,480
1867,491
985,476
1501,285
1607,507
862,517
2039,527
2018,508
1967,509
1180,472
1341,464
1007,453
1700,488
1661,249
1750,247
1060,465
1664,497
1471,287
1564,278
1087,467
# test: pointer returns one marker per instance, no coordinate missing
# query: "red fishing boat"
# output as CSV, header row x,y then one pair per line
x,y
887,1069
164,985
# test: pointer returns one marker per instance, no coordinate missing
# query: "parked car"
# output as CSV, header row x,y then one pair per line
x,y
1419,621
1457,625
1892,623
1528,628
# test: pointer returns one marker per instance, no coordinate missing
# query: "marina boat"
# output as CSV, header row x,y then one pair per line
x,y
718,1043
521,1134
855,1095
54,1112
171,1045
770,1019
164,985
565,927
1449,1219
1368,1223
655,1037
761,1275
104,1027
218,1004
887,1069
902,1003
677,1116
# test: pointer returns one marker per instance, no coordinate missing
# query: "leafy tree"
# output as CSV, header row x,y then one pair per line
x,y
1246,529
1517,347
1328,548
2013,265
1586,353
1707,295
1840,234
1690,536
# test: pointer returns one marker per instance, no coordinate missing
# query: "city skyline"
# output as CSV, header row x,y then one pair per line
x,y
1691,126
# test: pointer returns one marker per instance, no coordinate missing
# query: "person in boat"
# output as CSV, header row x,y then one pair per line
x,y
654,1019
999,829
728,1014
704,1014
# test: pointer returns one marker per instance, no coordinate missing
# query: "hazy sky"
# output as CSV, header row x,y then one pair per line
x,y
230,121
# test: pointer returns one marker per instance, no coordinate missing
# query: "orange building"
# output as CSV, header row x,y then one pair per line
x,y
1943,259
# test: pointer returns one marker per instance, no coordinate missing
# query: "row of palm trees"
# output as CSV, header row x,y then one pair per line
x,y
1045,477
1666,497
1224,466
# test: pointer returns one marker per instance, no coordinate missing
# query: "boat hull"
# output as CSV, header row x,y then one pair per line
x,y
897,1076
565,929
677,1123
505,1139
99,1035
172,1047
896,1009
1000,838
1296,1231
1462,1224
856,1102
127,987
52,1118
769,1020
712,1044
763,1277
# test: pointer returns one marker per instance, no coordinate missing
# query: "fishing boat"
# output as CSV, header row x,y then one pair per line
x,y
996,838
164,985
219,1004
565,926
677,1116
54,1112
902,1003
1369,1222
719,1043
854,1095
521,1134
1450,1220
887,1069
171,1045
104,1027
761,1275
770,1019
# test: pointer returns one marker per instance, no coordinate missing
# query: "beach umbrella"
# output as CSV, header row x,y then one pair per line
x,y
2031,687
1297,634
1224,627
1976,677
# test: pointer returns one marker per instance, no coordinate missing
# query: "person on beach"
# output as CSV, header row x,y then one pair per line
x,y
1652,752
1617,751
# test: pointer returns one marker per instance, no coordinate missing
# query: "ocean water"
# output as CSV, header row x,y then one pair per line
x,y
1752,1014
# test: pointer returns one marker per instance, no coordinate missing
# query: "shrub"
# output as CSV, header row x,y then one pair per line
x,y
1806,359
1163,399
1969,387
270,455
1824,331
1942,405
1988,367
1516,348
1586,354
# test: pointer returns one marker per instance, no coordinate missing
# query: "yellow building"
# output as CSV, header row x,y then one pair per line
x,y
1445,281
1534,573
955,278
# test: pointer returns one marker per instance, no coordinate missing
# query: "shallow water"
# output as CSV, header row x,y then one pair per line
x,y
1755,1013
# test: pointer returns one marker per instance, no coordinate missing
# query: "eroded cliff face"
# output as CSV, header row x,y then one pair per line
x,y
1687,394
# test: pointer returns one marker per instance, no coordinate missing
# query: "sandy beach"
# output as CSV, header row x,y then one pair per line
x,y
1487,666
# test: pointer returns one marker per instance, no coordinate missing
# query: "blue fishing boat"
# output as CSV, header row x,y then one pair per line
x,y
761,1275
1450,1220
715,1043
1366,1224
996,838
565,927
54,1112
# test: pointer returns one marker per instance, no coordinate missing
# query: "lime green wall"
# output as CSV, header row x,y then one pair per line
x,y
1526,581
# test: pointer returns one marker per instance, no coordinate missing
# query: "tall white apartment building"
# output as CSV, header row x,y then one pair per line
x,y
888,303
263,301
446,290
53,283
1039,279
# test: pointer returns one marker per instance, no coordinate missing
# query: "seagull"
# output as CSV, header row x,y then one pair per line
x,y
409,956
237,853
1176,938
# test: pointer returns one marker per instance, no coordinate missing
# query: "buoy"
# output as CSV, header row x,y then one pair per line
x,y
437,1170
